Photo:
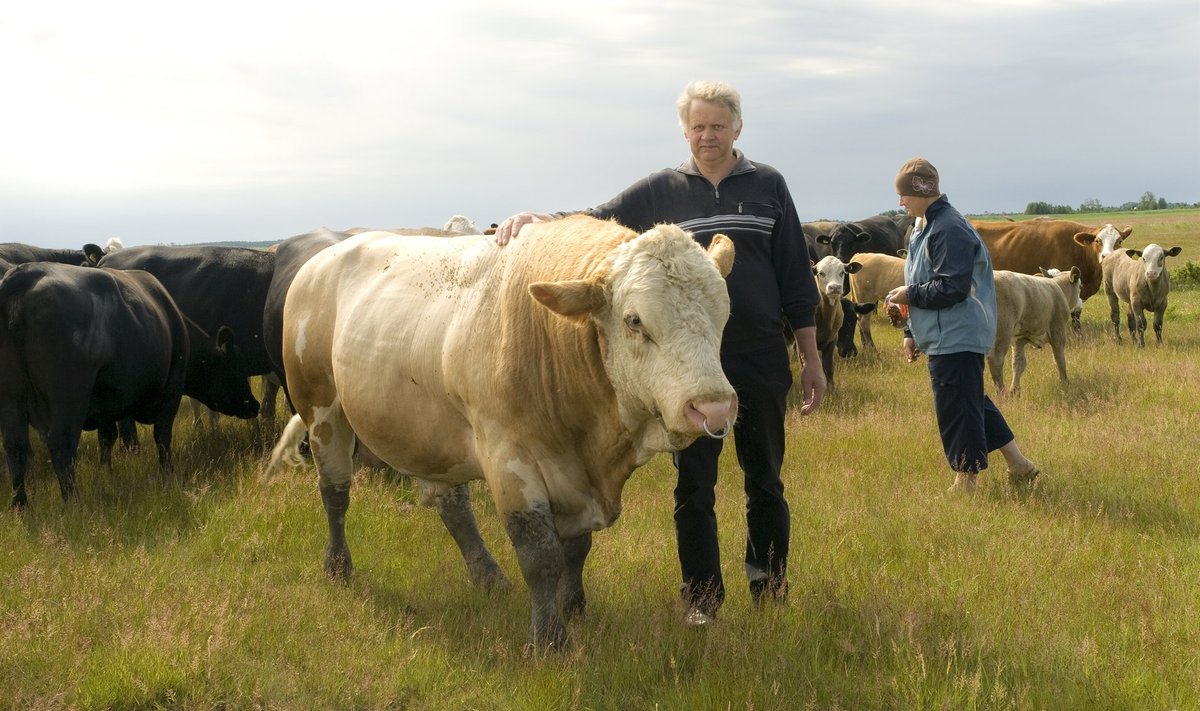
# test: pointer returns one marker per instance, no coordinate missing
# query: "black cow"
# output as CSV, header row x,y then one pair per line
x,y
213,286
290,255
850,313
81,348
16,253
880,233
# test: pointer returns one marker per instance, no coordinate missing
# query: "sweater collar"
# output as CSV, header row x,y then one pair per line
x,y
742,165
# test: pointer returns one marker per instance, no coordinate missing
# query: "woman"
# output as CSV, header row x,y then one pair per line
x,y
951,299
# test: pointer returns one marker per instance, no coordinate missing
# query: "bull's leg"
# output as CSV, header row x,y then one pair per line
x,y
1158,322
1139,317
540,554
454,507
270,394
16,455
827,365
332,443
571,599
1076,324
106,436
1018,363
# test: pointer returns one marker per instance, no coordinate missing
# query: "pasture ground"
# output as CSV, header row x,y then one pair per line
x,y
203,589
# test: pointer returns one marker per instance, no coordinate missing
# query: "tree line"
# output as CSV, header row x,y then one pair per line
x,y
1149,201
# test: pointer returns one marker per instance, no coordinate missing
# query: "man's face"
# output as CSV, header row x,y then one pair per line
x,y
710,131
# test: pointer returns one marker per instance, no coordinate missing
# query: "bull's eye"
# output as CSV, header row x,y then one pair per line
x,y
634,323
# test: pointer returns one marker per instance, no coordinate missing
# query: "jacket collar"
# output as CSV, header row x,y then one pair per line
x,y
742,165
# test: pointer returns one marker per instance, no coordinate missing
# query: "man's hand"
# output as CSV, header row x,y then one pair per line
x,y
511,227
812,377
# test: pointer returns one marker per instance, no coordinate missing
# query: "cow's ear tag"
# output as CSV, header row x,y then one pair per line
x,y
575,298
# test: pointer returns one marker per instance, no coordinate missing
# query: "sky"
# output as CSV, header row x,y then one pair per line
x,y
181,123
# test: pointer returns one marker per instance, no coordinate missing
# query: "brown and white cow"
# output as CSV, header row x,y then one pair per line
x,y
1031,310
1138,278
551,368
879,274
1024,247
830,274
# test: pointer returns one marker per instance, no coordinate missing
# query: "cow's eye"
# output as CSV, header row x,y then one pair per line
x,y
634,323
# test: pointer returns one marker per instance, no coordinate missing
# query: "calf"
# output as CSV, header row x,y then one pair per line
x,y
880,273
17,253
81,348
829,274
851,314
1142,285
1031,310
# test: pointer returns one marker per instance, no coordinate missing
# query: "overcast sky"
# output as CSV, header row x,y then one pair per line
x,y
161,122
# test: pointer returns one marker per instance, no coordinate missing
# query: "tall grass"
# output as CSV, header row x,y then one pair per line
x,y
202,589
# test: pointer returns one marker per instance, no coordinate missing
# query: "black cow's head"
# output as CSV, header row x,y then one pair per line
x,y
216,374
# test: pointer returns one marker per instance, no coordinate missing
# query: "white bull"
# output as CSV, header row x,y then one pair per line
x,y
1138,278
551,368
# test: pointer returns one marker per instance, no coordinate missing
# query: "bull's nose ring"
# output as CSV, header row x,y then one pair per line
x,y
723,433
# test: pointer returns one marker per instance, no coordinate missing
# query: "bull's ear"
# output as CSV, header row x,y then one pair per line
x,y
1085,238
1042,272
224,339
720,250
902,253
824,239
853,267
1174,251
1126,232
93,253
1133,253
1076,275
575,298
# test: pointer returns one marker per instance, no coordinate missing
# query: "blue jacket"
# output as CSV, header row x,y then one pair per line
x,y
951,289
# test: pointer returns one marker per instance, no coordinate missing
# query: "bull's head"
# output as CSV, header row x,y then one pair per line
x,y
659,310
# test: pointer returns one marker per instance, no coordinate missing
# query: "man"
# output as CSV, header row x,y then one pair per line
x,y
719,191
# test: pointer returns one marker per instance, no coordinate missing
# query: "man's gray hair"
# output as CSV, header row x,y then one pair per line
x,y
714,91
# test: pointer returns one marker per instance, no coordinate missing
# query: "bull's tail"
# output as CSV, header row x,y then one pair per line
x,y
287,449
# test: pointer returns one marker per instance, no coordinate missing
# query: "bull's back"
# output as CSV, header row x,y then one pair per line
x,y
373,323
1024,247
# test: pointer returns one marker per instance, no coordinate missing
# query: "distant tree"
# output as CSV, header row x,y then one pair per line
x,y
1045,208
1148,201
1162,203
1092,205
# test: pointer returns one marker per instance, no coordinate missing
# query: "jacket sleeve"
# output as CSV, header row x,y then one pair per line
x,y
798,295
951,262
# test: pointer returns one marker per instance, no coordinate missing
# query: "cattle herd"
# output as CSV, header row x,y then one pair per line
x,y
550,368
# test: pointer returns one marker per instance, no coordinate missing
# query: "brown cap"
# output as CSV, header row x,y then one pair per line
x,y
917,178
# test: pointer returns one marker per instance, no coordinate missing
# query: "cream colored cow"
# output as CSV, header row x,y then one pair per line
x,y
879,274
1031,310
1142,284
551,368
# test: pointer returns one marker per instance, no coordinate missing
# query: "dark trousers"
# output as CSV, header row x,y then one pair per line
x,y
968,420
762,381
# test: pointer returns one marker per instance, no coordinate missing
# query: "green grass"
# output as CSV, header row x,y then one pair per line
x,y
203,589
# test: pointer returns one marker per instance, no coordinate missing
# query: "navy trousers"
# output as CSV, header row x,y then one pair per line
x,y
762,381
968,420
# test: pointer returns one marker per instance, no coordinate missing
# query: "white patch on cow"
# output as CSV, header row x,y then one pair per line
x,y
320,415
301,327
526,472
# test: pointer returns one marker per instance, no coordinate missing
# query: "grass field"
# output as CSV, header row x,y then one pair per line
x,y
204,590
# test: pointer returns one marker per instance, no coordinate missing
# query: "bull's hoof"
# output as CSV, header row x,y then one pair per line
x,y
19,501
492,581
338,564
